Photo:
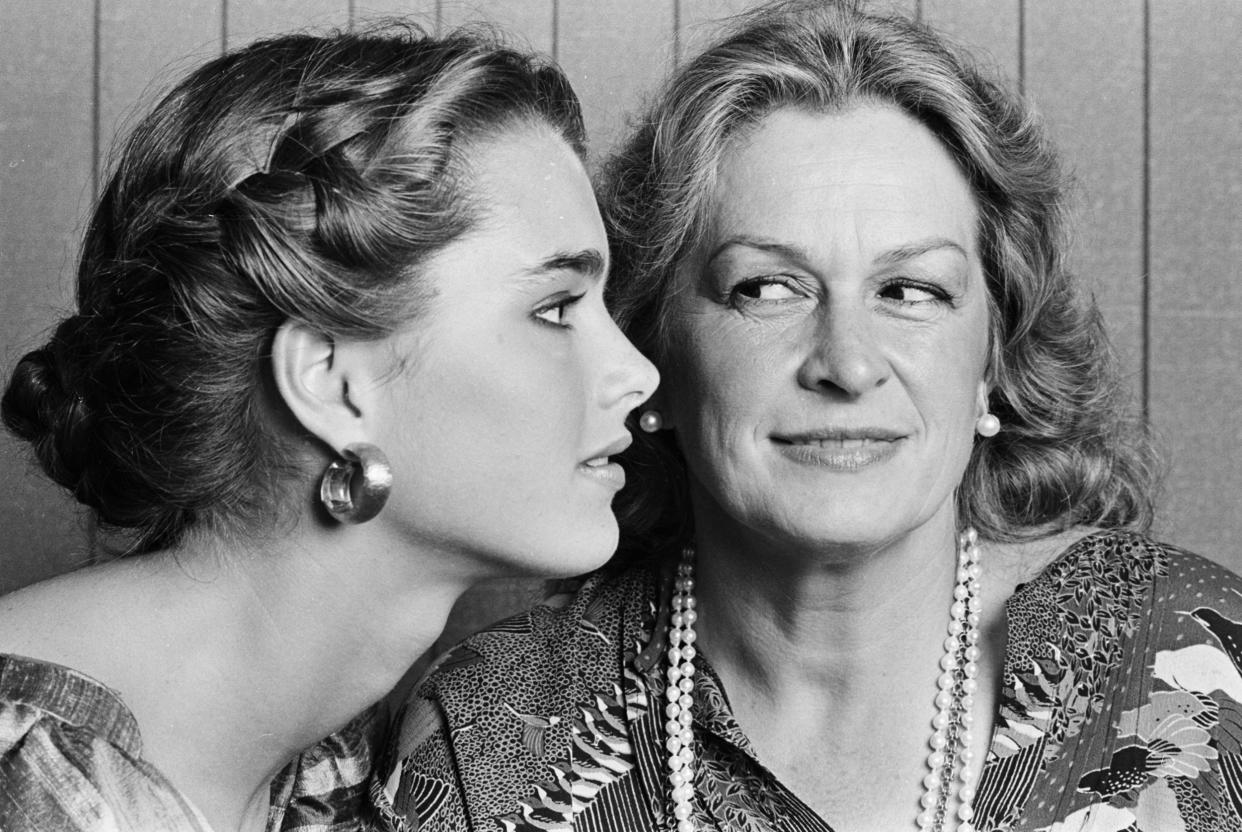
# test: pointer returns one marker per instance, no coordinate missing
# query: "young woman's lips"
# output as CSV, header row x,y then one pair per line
x,y
604,471
840,449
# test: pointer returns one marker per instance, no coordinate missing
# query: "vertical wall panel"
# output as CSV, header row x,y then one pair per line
x,y
46,145
251,19
615,54
989,27
1092,99
910,8
530,22
1196,268
135,69
422,12
701,21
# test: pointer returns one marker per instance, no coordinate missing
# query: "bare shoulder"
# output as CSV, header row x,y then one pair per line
x,y
70,620
31,617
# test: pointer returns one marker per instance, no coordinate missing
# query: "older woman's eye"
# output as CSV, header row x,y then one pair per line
x,y
766,289
912,293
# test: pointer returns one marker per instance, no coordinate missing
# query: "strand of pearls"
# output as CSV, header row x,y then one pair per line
x,y
947,785
679,709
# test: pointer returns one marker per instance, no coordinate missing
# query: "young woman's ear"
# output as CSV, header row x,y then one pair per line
x,y
326,384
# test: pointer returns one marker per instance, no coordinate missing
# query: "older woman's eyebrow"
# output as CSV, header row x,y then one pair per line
x,y
588,262
798,253
786,250
909,252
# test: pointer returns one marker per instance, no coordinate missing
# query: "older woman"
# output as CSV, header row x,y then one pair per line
x,y
884,566
326,273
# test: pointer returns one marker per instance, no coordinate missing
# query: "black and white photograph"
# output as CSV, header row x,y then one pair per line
x,y
635,416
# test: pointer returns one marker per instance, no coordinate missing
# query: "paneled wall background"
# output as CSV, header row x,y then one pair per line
x,y
1144,97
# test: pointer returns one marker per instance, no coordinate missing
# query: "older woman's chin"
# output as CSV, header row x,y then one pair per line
x,y
819,508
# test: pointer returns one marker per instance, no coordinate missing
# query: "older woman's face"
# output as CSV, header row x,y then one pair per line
x,y
830,334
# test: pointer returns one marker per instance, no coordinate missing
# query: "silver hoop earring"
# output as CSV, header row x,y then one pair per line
x,y
650,421
987,425
355,487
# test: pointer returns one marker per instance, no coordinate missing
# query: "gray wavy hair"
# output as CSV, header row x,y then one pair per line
x,y
1069,453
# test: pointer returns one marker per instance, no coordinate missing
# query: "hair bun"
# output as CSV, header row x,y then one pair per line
x,y
41,407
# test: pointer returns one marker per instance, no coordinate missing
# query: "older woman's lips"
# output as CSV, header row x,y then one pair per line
x,y
845,450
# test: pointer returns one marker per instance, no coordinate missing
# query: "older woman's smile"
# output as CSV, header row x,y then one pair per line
x,y
838,448
841,448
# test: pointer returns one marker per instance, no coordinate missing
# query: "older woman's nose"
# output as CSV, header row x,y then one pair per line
x,y
843,356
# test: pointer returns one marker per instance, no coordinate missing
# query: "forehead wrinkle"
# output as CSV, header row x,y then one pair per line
x,y
918,249
787,250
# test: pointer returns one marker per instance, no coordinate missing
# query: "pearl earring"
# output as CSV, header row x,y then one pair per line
x,y
987,425
650,421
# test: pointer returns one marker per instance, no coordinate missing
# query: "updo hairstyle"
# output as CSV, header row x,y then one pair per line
x,y
300,178
1068,453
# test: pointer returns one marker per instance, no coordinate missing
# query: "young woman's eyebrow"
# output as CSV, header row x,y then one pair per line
x,y
589,262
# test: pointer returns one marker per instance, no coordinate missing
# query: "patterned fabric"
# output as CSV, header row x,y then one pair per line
x,y
71,760
1121,709
325,789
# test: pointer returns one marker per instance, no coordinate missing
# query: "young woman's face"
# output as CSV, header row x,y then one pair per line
x,y
516,382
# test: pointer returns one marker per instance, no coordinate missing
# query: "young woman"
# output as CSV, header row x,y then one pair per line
x,y
340,351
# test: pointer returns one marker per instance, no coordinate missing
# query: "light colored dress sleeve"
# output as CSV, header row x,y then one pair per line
x,y
71,758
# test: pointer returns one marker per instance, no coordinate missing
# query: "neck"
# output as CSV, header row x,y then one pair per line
x,y
845,653
824,623
234,663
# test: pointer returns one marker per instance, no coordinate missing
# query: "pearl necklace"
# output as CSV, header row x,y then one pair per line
x,y
947,784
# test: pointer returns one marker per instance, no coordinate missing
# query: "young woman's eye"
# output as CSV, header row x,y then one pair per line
x,y
766,289
554,313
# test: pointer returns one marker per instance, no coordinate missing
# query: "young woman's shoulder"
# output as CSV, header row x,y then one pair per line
x,y
71,757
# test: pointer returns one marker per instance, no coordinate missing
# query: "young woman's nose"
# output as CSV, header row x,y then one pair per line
x,y
630,376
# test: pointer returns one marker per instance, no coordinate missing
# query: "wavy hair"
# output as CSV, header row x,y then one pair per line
x,y
301,177
1068,453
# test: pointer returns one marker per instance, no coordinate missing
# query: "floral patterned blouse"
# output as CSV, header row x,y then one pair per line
x,y
1121,709
71,761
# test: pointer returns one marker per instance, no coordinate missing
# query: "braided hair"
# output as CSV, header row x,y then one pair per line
x,y
300,178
